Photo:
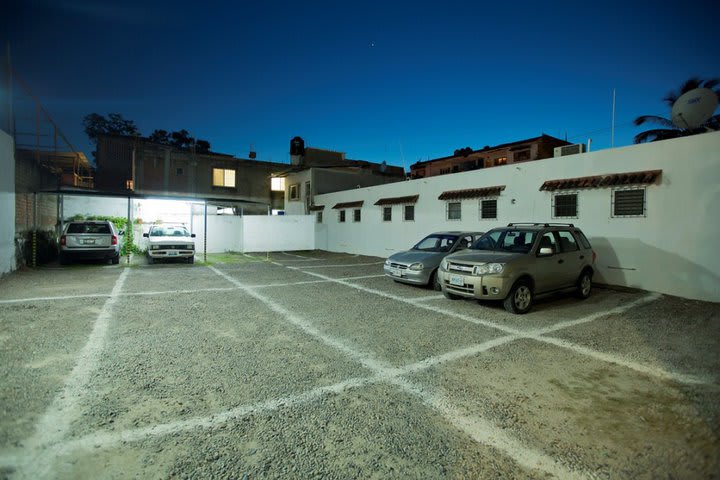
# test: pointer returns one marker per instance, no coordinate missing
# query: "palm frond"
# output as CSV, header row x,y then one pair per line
x,y
662,121
657,134
711,83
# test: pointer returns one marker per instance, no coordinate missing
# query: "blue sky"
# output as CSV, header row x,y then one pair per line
x,y
393,81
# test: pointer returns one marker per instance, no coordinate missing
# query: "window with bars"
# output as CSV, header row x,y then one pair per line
x,y
565,205
387,214
628,202
488,209
453,211
341,216
318,216
356,215
409,213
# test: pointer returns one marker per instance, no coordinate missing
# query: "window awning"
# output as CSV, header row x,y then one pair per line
x,y
316,208
398,200
349,205
602,181
471,193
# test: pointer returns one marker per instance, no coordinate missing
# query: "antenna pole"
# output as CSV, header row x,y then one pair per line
x,y
612,127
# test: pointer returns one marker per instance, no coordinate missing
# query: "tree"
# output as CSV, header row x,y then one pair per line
x,y
96,125
160,136
671,130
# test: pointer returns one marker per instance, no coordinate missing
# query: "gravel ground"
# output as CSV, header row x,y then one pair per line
x,y
291,381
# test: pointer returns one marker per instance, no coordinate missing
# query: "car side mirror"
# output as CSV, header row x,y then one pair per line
x,y
146,235
545,252
121,232
192,235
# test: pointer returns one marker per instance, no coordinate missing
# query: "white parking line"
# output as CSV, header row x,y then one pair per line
x,y
426,299
299,256
480,430
338,266
52,427
679,377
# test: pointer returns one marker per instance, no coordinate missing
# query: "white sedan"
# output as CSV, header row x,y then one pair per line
x,y
170,242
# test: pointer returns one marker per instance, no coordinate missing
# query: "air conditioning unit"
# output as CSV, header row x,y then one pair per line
x,y
573,149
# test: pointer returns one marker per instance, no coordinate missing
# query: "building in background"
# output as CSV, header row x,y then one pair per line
x,y
466,159
315,171
137,165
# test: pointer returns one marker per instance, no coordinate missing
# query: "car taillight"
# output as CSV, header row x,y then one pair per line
x,y
114,240
594,256
62,240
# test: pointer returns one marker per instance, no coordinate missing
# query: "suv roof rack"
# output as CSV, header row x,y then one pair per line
x,y
540,224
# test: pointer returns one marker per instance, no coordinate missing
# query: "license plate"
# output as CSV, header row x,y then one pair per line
x,y
457,280
396,272
88,241
172,253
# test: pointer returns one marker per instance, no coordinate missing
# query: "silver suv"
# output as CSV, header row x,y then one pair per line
x,y
518,262
90,240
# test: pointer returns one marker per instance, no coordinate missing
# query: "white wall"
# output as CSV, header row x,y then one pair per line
x,y
225,233
92,205
7,203
255,233
278,233
672,250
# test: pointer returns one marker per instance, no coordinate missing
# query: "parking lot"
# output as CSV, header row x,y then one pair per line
x,y
314,365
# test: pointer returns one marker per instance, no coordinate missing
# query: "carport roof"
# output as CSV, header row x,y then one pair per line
x,y
397,200
471,193
349,204
602,181
316,208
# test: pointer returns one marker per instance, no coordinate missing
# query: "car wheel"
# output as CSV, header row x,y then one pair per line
x,y
520,298
151,260
116,259
434,282
64,260
584,285
191,260
451,296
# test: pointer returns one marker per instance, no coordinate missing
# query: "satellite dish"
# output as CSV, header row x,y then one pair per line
x,y
694,108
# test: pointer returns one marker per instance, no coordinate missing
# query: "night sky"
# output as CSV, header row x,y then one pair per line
x,y
379,80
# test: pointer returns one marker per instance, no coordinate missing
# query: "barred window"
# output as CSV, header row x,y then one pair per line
x,y
409,213
565,205
453,211
341,216
356,215
488,209
628,203
319,216
387,214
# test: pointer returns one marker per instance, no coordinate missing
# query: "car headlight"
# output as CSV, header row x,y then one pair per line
x,y
154,247
444,265
388,262
190,246
416,266
488,268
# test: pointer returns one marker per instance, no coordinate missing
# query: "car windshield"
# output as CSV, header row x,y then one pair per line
x,y
169,232
519,241
93,228
436,243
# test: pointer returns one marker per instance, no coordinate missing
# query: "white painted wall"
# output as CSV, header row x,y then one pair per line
x,y
278,233
672,250
92,205
255,233
225,233
7,204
